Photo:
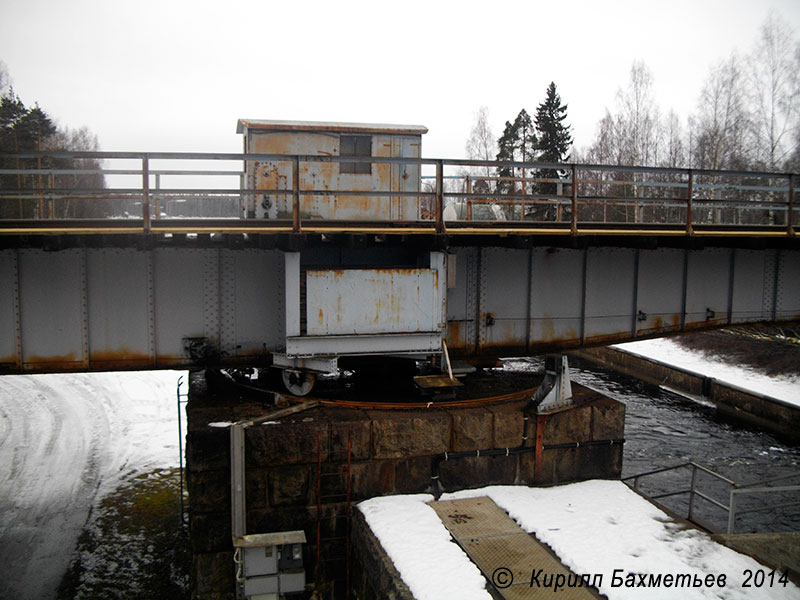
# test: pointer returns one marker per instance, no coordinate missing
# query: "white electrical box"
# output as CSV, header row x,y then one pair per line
x,y
271,564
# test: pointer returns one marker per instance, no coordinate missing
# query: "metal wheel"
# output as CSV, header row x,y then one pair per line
x,y
298,383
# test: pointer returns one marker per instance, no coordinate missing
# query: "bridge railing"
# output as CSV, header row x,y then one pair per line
x,y
174,192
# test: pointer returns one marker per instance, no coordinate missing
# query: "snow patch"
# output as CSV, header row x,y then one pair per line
x,y
595,527
431,565
782,387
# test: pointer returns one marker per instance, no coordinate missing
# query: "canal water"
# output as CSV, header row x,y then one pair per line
x,y
664,429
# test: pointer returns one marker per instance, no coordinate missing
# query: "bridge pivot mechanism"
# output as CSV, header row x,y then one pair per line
x,y
555,392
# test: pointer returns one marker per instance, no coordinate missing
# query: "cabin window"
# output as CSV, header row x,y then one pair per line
x,y
355,145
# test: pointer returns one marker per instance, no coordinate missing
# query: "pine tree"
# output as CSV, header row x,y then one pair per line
x,y
517,144
24,129
554,136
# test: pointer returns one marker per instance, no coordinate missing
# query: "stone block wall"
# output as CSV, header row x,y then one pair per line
x,y
391,452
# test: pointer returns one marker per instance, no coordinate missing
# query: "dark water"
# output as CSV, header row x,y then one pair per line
x,y
665,429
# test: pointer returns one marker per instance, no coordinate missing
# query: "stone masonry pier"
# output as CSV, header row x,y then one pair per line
x,y
297,469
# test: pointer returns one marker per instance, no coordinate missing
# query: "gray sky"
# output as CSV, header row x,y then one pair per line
x,y
176,75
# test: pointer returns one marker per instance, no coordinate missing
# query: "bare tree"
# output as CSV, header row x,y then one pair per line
x,y
722,122
774,68
674,155
631,135
481,143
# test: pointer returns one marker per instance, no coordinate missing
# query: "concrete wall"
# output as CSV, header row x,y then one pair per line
x,y
764,412
391,453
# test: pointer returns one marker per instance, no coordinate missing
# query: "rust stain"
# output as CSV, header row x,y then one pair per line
x,y
675,320
548,330
455,335
63,358
119,358
321,317
610,338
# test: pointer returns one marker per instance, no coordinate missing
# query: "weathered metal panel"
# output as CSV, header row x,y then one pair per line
x,y
108,308
365,301
51,309
505,309
660,290
707,287
178,281
557,300
8,308
609,292
257,297
278,174
787,297
383,343
748,293
118,308
459,317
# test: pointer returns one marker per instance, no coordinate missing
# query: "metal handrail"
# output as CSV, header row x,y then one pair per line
x,y
736,490
595,188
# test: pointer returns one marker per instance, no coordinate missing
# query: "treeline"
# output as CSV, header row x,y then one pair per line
x,y
746,116
29,129
747,119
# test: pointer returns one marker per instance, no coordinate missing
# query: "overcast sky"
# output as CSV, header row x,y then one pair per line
x,y
175,75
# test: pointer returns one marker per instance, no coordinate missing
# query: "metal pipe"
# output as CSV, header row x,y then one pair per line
x,y
437,459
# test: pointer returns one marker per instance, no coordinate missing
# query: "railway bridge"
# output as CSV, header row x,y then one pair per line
x,y
329,242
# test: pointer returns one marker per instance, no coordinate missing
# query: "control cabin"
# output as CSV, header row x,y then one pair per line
x,y
347,140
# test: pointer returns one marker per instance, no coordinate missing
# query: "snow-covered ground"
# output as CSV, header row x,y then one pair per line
x,y
66,440
785,388
595,527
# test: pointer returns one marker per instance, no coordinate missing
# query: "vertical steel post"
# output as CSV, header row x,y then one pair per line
x,y
790,216
732,511
347,518
689,194
691,493
238,522
146,193
51,201
439,196
157,210
468,203
180,447
635,308
538,454
296,194
574,220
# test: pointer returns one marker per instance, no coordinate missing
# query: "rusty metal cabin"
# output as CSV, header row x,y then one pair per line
x,y
348,145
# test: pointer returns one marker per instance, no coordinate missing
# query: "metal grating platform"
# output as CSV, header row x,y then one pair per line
x,y
505,554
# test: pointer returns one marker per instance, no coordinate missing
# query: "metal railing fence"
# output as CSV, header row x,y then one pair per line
x,y
450,194
736,492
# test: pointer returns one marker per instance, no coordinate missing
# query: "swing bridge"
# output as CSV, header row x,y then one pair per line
x,y
128,260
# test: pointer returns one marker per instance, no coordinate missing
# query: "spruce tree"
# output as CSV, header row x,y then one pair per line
x,y
554,135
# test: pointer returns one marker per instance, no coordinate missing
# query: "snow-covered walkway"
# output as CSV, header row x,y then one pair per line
x,y
598,528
